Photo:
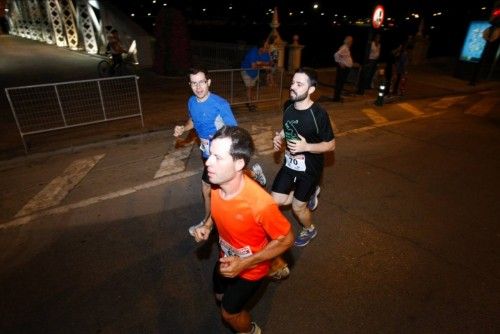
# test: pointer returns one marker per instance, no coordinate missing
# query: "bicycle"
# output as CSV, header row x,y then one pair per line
x,y
127,67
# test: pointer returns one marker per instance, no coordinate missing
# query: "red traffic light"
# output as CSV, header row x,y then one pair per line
x,y
495,14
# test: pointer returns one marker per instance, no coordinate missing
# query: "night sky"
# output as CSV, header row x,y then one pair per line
x,y
322,28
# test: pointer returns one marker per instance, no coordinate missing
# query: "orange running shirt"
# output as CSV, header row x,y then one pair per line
x,y
246,223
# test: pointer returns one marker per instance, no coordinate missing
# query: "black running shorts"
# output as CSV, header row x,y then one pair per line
x,y
237,291
303,184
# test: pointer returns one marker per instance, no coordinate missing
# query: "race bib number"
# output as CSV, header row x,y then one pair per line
x,y
205,146
229,250
295,162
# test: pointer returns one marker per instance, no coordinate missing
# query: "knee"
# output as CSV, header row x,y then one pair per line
x,y
299,207
279,199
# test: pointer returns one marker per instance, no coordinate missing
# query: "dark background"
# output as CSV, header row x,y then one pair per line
x,y
248,22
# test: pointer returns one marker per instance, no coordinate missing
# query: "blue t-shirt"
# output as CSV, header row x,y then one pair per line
x,y
208,117
251,57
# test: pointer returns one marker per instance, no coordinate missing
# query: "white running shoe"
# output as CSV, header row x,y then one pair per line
x,y
280,274
193,228
259,174
312,204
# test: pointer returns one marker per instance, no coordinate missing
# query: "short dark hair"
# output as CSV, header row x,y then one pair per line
x,y
312,76
242,146
196,70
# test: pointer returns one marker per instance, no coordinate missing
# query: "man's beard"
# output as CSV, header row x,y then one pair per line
x,y
298,98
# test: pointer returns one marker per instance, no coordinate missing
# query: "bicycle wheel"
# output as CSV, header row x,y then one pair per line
x,y
104,69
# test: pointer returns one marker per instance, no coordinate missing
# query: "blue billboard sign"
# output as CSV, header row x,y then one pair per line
x,y
474,42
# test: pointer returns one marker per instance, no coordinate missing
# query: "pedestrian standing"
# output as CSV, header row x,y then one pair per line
x,y
401,66
256,58
344,64
208,113
274,56
306,135
252,229
373,57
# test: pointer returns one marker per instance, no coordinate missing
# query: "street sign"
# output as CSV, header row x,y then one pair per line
x,y
378,17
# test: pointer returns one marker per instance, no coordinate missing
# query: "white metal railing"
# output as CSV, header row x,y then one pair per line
x,y
62,105
229,84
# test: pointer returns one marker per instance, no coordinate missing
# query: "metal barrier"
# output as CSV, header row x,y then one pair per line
x,y
56,106
218,55
229,84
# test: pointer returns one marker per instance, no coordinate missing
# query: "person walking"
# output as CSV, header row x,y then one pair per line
x,y
401,66
306,135
255,59
252,230
208,112
373,57
344,64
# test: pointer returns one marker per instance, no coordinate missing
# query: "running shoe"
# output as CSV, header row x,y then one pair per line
x,y
313,201
194,227
306,235
280,274
258,174
255,329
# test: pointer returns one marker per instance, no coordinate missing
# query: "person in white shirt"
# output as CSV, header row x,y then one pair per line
x,y
344,63
371,67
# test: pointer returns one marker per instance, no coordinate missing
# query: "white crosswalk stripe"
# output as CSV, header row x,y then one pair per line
x,y
173,162
374,115
59,187
410,108
446,102
483,106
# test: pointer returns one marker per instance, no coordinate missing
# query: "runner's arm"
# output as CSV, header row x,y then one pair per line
x,y
278,140
231,266
299,146
180,129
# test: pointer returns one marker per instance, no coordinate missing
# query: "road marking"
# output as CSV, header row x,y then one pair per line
x,y
411,109
482,107
66,208
376,126
172,162
97,199
374,116
447,102
58,188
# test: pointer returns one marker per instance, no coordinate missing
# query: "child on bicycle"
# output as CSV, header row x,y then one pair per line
x,y
115,48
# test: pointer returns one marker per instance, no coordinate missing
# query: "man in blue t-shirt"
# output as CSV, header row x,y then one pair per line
x,y
208,113
255,59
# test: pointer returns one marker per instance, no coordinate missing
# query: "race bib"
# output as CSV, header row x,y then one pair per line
x,y
229,250
205,146
295,162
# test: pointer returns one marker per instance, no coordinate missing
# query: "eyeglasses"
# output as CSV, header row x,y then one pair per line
x,y
199,83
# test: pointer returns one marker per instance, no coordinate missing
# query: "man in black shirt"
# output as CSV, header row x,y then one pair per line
x,y
307,135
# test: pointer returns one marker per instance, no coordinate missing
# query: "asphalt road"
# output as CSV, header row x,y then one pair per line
x,y
408,236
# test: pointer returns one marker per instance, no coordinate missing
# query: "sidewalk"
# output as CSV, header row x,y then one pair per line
x,y
164,100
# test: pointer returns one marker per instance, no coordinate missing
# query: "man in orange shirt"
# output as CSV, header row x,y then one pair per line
x,y
252,229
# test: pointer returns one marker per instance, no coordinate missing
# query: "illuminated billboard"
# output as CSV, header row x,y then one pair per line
x,y
474,42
